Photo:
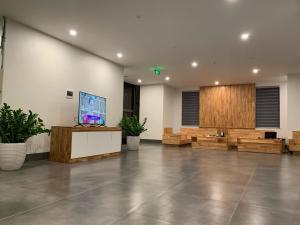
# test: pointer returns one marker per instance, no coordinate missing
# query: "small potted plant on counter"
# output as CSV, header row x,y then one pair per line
x,y
132,129
15,129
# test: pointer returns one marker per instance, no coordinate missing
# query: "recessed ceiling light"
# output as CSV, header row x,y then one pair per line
x,y
167,78
255,71
245,36
119,55
217,82
139,81
232,1
73,32
194,64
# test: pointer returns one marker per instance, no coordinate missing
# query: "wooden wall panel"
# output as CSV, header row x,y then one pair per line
x,y
230,106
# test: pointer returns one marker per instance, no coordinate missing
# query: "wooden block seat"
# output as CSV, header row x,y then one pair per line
x,y
198,132
210,143
235,134
186,135
201,138
169,138
294,144
275,146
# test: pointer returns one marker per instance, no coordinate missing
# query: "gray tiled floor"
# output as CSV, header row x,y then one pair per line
x,y
157,185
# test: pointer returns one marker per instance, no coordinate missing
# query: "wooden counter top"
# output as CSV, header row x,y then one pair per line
x,y
88,129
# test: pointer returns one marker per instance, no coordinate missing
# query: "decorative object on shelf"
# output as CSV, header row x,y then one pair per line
x,y
132,129
16,127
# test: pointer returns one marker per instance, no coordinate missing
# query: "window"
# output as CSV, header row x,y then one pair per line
x,y
268,107
190,108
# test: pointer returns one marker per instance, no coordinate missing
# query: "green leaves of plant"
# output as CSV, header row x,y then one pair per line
x,y
17,126
131,126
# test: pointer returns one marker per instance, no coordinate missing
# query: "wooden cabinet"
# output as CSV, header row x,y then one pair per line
x,y
75,144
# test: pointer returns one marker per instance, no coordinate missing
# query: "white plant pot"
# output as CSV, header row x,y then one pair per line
x,y
12,156
133,143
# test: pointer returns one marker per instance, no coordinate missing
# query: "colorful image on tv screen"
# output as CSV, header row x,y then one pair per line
x,y
92,109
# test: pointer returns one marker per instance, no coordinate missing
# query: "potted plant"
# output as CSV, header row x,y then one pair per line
x,y
15,129
132,129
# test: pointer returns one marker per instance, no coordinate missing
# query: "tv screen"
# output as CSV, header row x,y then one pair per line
x,y
92,109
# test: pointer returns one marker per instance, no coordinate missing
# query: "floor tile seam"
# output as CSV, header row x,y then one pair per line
x,y
269,208
48,204
207,198
173,187
29,210
224,182
133,210
158,219
150,181
243,193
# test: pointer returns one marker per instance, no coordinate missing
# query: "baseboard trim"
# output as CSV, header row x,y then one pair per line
x,y
150,141
37,156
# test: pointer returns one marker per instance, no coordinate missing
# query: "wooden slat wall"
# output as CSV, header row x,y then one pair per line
x,y
230,106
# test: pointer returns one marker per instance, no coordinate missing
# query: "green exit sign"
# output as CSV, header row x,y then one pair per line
x,y
157,71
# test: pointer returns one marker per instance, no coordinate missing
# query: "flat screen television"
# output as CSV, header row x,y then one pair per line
x,y
92,109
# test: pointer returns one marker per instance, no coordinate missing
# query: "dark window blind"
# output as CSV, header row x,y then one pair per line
x,y
190,108
268,107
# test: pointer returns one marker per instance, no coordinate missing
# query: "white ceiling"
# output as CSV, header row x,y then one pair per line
x,y
173,33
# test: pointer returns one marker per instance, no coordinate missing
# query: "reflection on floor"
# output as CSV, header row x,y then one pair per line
x,y
157,185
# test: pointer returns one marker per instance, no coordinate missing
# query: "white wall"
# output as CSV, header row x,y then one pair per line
x,y
162,105
177,110
170,118
293,104
168,106
159,103
151,106
37,71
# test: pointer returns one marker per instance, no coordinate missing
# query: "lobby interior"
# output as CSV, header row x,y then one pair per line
x,y
217,81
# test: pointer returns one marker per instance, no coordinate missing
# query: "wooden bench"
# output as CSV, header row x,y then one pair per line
x,y
210,143
234,134
294,144
275,146
206,139
186,135
198,132
169,138
249,140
